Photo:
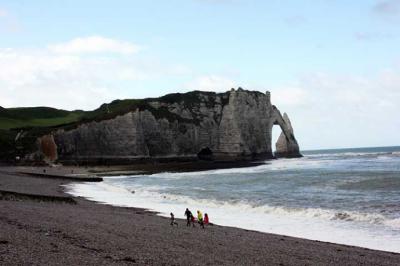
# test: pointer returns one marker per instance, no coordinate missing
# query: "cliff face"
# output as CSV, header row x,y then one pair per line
x,y
227,126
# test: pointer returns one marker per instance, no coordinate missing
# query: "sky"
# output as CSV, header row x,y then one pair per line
x,y
332,65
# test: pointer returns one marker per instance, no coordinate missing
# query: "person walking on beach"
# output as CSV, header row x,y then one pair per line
x,y
200,218
188,215
173,220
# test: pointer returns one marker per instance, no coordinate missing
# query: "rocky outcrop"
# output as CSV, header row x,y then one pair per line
x,y
287,146
48,146
235,125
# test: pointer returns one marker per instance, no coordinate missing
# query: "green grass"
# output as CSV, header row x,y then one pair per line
x,y
10,123
72,117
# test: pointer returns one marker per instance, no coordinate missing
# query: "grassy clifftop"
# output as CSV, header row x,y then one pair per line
x,y
36,117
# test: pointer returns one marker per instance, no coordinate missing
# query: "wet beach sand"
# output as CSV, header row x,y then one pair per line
x,y
42,225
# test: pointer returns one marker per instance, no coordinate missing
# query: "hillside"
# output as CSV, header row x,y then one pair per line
x,y
36,117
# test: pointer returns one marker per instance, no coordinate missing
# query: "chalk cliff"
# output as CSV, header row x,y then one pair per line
x,y
235,125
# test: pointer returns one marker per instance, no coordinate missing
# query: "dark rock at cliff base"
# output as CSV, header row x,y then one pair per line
x,y
234,125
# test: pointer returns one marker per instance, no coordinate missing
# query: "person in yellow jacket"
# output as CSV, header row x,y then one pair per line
x,y
200,218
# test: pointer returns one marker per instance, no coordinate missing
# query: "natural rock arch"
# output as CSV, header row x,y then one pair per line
x,y
287,145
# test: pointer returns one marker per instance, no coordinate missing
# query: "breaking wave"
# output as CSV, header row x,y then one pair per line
x,y
240,206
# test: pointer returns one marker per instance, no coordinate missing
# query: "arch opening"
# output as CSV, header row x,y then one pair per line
x,y
283,142
276,132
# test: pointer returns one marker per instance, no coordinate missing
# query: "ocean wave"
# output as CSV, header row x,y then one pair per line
x,y
245,207
273,165
393,223
112,188
309,161
150,194
352,154
251,169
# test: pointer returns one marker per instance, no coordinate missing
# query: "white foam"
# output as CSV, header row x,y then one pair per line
x,y
393,223
352,228
273,165
351,154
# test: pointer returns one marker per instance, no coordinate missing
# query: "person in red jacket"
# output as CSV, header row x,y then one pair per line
x,y
206,221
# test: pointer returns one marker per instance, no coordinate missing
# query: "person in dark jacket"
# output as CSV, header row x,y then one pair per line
x,y
188,215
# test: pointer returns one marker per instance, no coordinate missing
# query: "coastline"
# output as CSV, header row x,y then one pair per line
x,y
39,231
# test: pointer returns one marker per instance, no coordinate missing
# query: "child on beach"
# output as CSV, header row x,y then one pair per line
x,y
192,219
200,218
207,220
173,220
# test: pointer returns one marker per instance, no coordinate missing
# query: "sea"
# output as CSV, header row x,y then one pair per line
x,y
345,196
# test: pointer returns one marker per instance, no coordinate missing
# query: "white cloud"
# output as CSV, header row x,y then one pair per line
x,y
95,44
8,22
292,96
211,83
63,81
343,110
388,8
69,79
3,13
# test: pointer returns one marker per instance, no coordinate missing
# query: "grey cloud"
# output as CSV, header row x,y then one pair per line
x,y
372,36
388,8
295,20
217,1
